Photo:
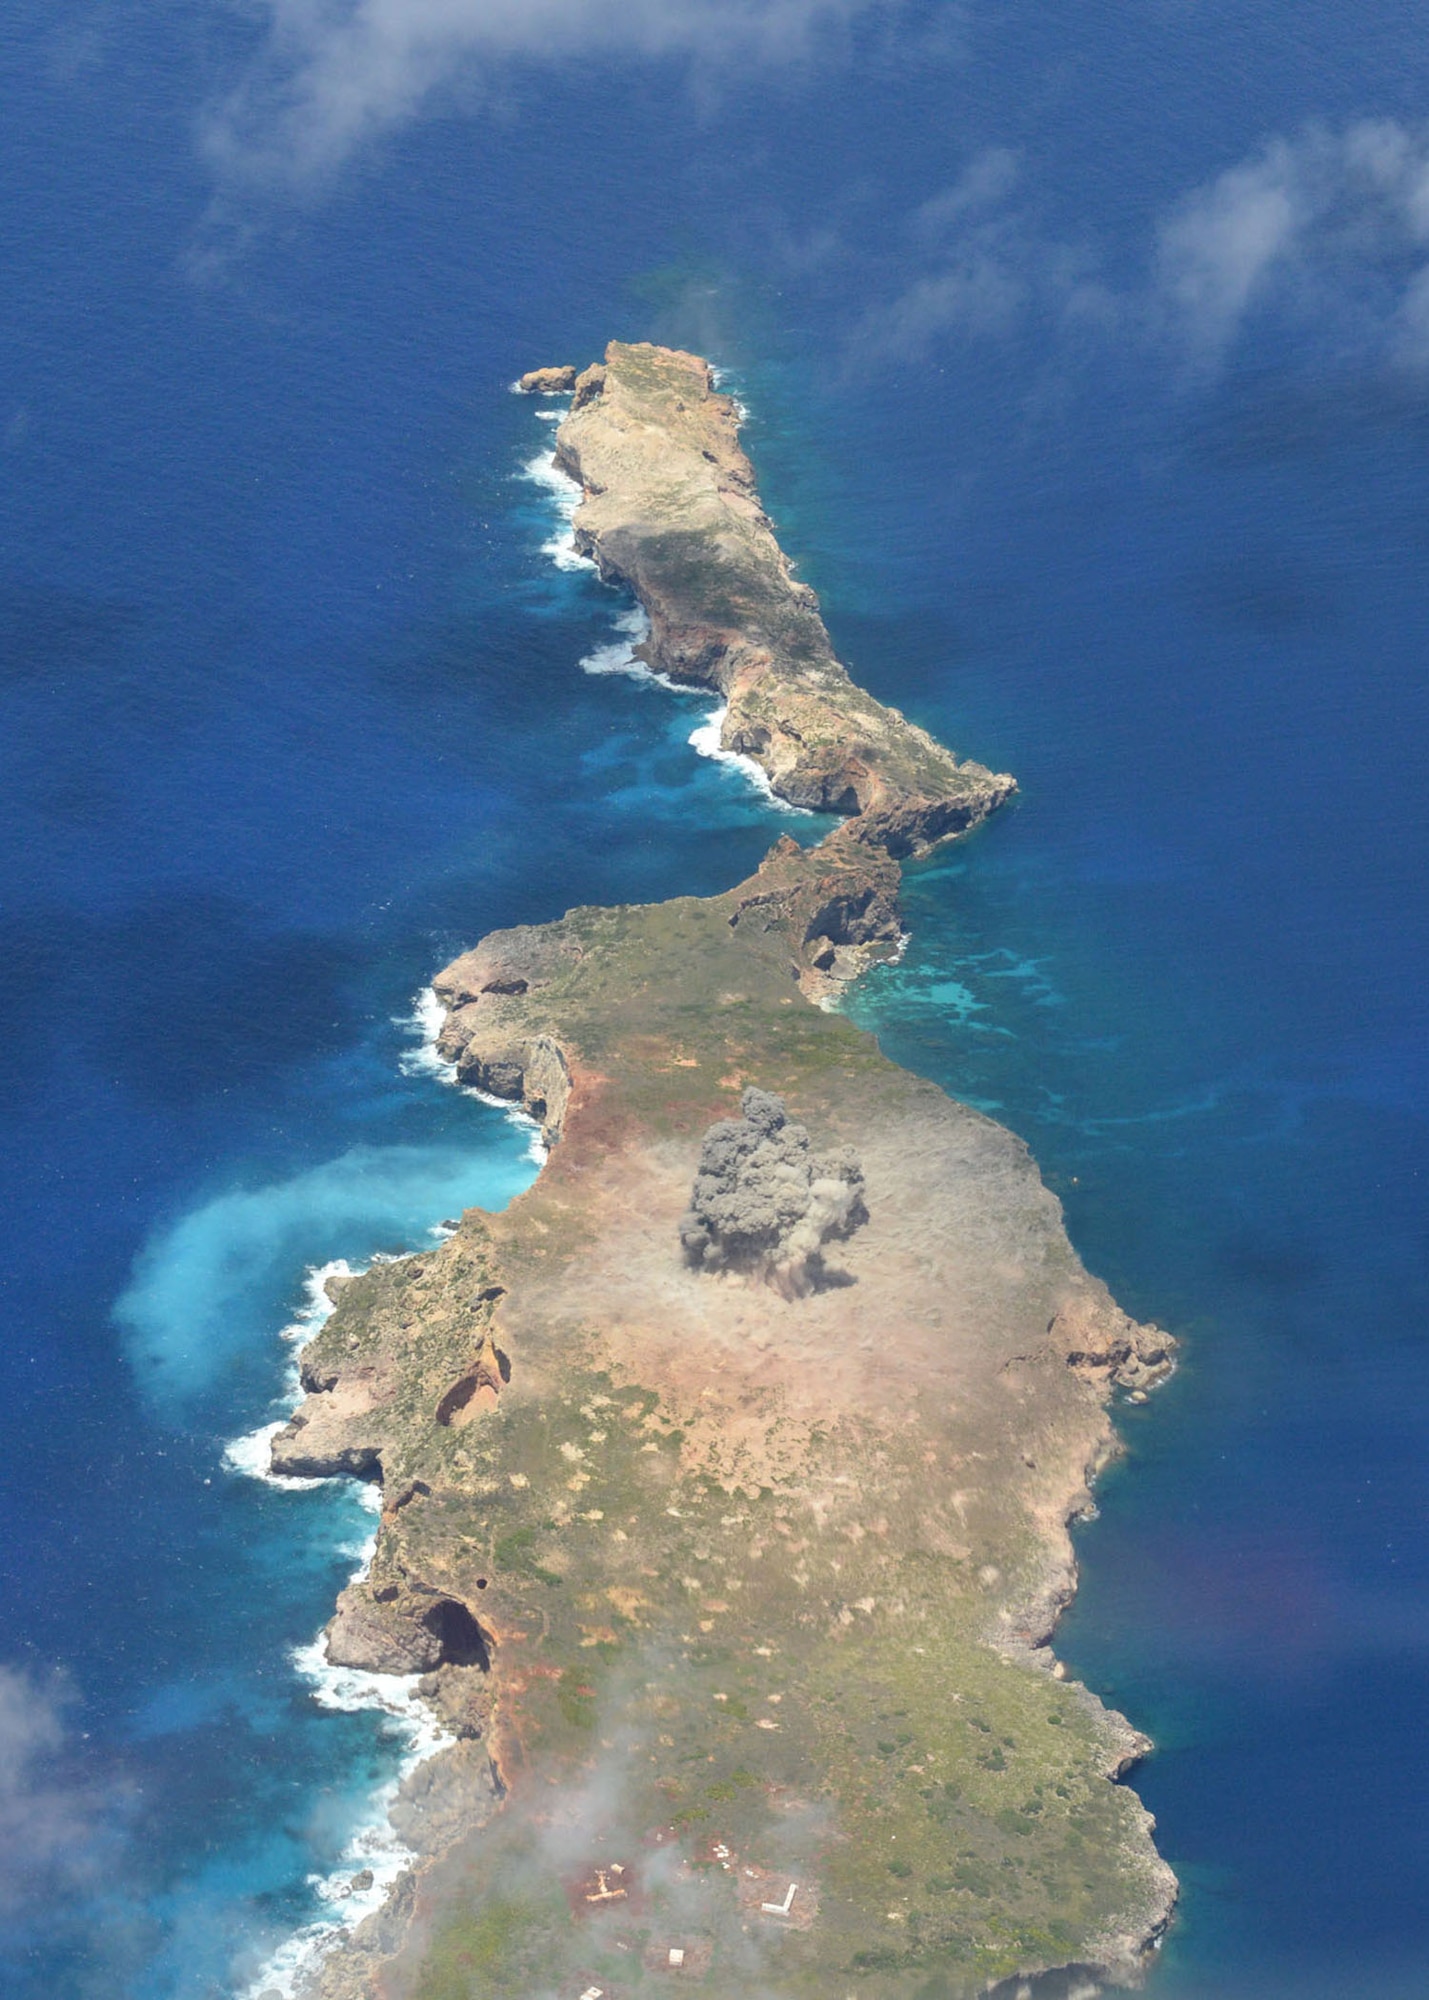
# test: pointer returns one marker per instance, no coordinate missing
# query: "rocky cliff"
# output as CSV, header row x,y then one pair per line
x,y
671,511
736,1592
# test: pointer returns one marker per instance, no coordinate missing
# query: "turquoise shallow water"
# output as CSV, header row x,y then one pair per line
x,y
290,709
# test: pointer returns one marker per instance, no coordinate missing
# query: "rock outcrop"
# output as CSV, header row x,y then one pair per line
x,y
482,1032
699,1571
547,381
396,1628
671,511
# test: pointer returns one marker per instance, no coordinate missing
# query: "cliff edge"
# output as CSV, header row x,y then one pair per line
x,y
671,510
733,1574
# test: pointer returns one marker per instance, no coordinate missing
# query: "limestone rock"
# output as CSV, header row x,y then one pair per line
x,y
671,511
386,1629
1106,1346
445,1797
547,381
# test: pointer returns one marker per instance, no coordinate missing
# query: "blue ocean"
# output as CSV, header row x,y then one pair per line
x,y
1086,354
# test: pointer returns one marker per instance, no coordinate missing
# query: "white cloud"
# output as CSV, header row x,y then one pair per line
x,y
1330,229
979,193
331,73
985,265
52,1822
1325,235
980,294
1220,250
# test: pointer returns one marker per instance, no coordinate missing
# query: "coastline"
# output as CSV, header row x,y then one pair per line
x,y
375,1857
544,1074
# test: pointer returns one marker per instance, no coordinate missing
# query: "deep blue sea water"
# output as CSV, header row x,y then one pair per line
x,y
291,710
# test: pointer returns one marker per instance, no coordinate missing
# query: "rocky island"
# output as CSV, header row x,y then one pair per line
x,y
726,1476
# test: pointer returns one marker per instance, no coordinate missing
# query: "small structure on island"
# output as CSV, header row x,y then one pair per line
x,y
688,1957
610,1886
765,1203
776,1900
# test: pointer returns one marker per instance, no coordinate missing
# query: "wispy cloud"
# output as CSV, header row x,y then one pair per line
x,y
55,1823
1330,229
332,73
982,263
1325,235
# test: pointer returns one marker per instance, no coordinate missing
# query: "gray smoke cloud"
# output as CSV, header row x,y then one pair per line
x,y
764,1202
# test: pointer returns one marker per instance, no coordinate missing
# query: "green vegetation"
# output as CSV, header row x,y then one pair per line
x,y
754,1649
943,1802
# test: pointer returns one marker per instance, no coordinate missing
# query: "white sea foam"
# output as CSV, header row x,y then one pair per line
x,y
565,492
537,1149
252,1454
375,1848
425,1023
705,740
619,656
719,377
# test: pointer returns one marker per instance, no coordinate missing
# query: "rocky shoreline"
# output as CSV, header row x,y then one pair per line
x,y
671,511
718,1581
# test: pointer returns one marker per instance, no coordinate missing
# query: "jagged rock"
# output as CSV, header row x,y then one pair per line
x,y
765,1202
1105,1346
546,1084
383,1629
353,1969
671,511
547,381
461,1697
445,1797
836,908
482,1034
478,1388
302,1451
505,964
588,385
379,1638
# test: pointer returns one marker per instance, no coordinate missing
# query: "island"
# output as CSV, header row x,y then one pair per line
x,y
727,1475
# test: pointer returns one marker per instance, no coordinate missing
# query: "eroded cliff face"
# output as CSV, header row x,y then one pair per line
x,y
736,1595
672,512
697,1559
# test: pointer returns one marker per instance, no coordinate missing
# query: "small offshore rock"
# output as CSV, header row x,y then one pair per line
x,y
547,382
